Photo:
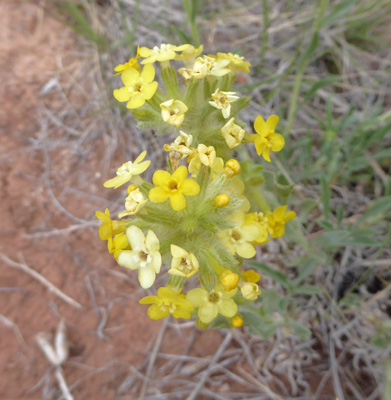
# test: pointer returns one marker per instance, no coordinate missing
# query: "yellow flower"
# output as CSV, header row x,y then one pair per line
x,y
222,101
165,52
133,203
132,63
189,54
267,139
237,321
276,221
138,87
236,189
250,291
229,280
183,263
232,167
209,304
127,170
118,244
203,66
174,187
109,227
181,145
195,165
251,276
239,239
233,134
237,62
261,221
168,302
221,200
207,154
173,112
144,255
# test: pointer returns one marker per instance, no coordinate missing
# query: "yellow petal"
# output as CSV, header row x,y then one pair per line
x,y
152,242
129,75
158,195
155,313
190,187
140,168
149,300
289,216
228,308
148,73
272,122
260,125
135,237
137,100
178,252
277,142
167,294
207,313
140,157
117,181
266,154
197,297
149,89
259,145
105,231
177,201
180,174
160,177
122,94
126,259
144,52
245,250
146,277
279,212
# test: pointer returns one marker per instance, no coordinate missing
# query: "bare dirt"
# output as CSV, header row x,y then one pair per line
x,y
45,188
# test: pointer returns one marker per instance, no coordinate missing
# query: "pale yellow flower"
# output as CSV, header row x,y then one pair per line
x,y
195,165
165,52
233,134
127,171
168,302
173,112
236,188
261,221
239,239
182,145
207,154
209,304
204,66
222,101
183,264
237,62
189,54
133,203
250,291
144,255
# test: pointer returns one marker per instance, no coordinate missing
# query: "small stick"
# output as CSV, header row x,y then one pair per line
x,y
61,231
42,280
193,395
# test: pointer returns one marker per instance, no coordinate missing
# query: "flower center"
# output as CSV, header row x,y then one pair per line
x,y
213,297
236,236
173,185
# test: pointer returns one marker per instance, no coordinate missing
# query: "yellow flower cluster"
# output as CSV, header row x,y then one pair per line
x,y
199,218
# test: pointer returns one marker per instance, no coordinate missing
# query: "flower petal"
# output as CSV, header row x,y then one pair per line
x,y
156,313
277,142
228,308
158,195
272,122
152,242
245,250
160,177
149,300
190,187
135,237
146,277
137,100
122,94
149,89
129,75
140,157
260,125
197,297
156,262
167,294
207,313
178,252
266,154
140,168
148,73
118,181
177,201
180,174
127,259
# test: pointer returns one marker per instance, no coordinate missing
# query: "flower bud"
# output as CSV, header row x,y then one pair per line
x,y
229,280
232,167
221,200
250,291
237,321
131,188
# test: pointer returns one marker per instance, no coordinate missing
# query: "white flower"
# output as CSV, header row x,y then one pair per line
x,y
144,255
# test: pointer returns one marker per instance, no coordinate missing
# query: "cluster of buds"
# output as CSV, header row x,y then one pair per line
x,y
200,217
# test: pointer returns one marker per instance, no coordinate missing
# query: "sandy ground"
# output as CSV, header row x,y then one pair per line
x,y
44,188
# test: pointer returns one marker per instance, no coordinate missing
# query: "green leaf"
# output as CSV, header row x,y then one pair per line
x,y
270,300
344,238
308,267
300,330
378,208
264,326
307,289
